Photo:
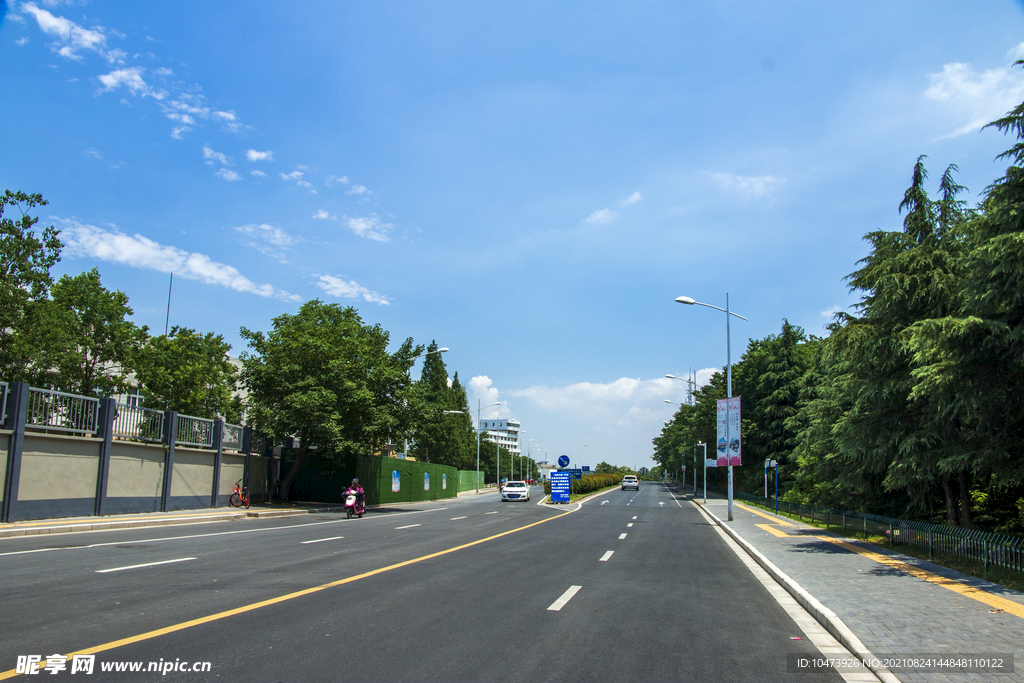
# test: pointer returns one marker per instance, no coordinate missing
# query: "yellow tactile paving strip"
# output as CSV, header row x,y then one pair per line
x,y
1008,606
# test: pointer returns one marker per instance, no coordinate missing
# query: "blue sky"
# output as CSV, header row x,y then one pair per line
x,y
530,184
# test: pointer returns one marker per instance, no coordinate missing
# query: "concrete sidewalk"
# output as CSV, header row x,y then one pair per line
x,y
892,604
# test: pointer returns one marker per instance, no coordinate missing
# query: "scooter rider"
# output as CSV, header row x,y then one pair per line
x,y
358,490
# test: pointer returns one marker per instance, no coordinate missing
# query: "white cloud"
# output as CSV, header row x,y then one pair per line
x,y
258,174
482,388
212,156
600,217
323,215
634,198
69,37
370,227
137,251
176,132
267,233
335,286
130,78
163,71
357,189
93,153
294,175
21,41
331,179
267,239
977,98
227,174
830,312
753,186
253,155
225,116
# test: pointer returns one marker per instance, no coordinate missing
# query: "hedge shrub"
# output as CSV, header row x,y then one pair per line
x,y
589,483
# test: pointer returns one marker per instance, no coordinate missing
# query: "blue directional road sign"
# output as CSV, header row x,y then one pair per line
x,y
561,484
576,474
563,461
586,468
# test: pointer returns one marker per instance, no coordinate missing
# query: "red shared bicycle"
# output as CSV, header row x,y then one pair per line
x,y
239,496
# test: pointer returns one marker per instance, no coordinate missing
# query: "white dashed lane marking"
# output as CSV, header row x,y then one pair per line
x,y
622,536
140,566
566,597
321,540
604,558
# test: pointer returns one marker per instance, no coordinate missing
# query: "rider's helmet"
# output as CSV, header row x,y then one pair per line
x,y
355,483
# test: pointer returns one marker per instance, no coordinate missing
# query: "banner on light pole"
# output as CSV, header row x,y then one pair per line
x,y
729,442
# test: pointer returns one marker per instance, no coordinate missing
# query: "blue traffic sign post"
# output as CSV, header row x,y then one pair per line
x,y
561,485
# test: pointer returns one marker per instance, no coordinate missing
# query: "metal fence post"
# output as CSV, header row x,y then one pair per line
x,y
985,570
892,537
17,415
105,424
171,423
218,447
931,552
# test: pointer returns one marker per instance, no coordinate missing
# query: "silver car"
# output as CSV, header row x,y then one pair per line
x,y
515,490
630,482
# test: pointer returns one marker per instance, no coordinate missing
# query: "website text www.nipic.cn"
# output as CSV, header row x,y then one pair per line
x,y
86,664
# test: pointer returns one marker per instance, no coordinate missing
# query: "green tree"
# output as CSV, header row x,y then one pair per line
x,y
26,256
82,338
969,359
190,373
887,443
325,377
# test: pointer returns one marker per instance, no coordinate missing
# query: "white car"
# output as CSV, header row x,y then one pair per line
x,y
630,482
515,490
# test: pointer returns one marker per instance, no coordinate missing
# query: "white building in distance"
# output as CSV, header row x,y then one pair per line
x,y
504,433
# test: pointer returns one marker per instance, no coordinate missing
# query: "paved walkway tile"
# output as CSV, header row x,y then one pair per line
x,y
895,604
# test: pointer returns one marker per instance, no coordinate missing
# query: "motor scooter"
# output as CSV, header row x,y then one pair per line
x,y
355,503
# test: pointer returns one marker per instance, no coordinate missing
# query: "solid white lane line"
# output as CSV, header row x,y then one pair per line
x,y
622,536
139,566
566,597
218,533
321,540
455,518
604,558
408,526
630,524
491,513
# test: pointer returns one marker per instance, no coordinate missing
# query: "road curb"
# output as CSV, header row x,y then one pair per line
x,y
823,615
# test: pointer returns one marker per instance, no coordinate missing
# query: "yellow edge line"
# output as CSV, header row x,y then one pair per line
x,y
282,598
775,520
982,596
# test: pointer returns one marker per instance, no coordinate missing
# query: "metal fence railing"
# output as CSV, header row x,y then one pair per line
x,y
3,403
986,547
137,423
258,445
194,431
60,412
232,437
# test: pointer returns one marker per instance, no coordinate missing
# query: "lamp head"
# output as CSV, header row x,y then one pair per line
x,y
685,300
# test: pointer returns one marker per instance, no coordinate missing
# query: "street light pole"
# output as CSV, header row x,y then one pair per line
x,y
728,363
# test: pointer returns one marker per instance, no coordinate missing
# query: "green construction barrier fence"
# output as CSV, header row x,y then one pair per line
x,y
468,480
385,480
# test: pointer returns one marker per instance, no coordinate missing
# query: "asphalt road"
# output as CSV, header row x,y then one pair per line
x,y
455,591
